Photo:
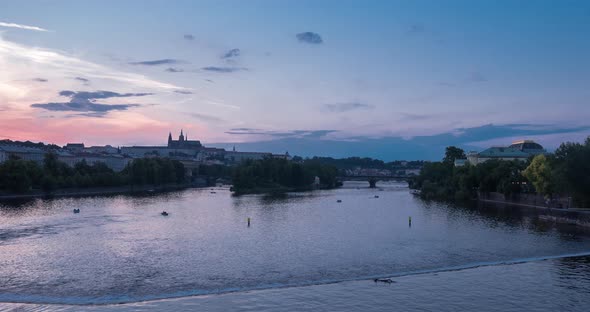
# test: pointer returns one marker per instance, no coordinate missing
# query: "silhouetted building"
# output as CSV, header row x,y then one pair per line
x,y
22,152
182,142
75,147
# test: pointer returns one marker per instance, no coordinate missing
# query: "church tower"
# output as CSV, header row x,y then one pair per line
x,y
181,137
169,139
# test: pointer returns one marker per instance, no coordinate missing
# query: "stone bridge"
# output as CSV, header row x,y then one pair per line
x,y
374,179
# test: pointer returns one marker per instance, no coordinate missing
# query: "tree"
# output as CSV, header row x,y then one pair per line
x,y
14,176
48,183
540,175
452,153
571,170
51,164
274,174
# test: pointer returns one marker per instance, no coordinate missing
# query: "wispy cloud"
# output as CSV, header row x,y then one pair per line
x,y
84,95
20,26
409,116
158,62
84,81
281,134
183,92
233,53
83,101
347,106
40,79
309,37
174,70
206,118
21,58
91,115
189,37
221,69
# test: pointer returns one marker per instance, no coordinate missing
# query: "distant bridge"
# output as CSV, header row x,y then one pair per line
x,y
373,179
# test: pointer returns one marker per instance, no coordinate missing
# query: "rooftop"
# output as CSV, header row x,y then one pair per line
x,y
497,152
528,146
20,149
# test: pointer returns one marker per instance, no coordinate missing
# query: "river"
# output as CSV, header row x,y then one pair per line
x,y
307,251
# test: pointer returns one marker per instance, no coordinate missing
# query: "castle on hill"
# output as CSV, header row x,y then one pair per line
x,y
183,142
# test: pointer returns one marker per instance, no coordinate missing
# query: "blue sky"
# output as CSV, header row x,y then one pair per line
x,y
374,78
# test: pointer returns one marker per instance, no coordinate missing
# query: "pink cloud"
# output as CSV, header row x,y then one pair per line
x,y
91,131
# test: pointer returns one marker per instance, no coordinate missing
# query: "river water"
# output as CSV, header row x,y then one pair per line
x,y
303,252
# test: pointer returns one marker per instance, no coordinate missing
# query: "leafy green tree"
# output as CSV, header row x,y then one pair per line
x,y
452,153
444,180
539,173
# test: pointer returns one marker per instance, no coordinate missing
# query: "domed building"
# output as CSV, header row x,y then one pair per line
x,y
528,146
519,150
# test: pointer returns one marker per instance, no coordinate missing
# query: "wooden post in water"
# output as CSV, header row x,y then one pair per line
x,y
248,221
410,221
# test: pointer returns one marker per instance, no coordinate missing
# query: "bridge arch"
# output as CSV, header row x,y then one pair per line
x,y
373,179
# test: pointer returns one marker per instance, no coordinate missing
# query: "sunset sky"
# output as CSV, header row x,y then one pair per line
x,y
387,79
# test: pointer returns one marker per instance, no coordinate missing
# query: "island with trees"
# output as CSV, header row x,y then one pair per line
x,y
272,175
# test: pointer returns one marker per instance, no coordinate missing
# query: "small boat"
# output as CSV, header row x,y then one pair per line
x,y
339,201
164,213
376,196
77,210
384,280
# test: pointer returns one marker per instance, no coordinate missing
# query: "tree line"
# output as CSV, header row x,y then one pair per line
x,y
281,174
566,172
21,176
362,162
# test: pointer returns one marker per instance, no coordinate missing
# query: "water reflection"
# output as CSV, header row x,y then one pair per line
x,y
119,248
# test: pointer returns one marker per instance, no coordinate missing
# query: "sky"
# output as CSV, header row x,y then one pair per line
x,y
386,79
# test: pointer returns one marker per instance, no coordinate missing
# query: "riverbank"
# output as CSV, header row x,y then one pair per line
x,y
571,216
93,191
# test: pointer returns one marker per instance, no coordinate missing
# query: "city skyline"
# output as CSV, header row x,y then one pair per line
x,y
402,79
